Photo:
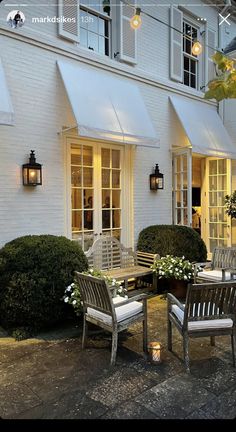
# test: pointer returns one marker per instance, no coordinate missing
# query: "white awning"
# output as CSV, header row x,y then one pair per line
x,y
106,107
6,109
204,128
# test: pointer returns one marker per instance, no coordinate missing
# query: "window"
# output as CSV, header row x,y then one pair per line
x,y
95,26
190,61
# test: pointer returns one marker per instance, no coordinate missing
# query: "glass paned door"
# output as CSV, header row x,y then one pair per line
x,y
96,192
218,174
82,194
111,191
182,187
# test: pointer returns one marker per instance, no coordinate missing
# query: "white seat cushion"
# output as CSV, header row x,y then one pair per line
x,y
202,325
122,312
215,275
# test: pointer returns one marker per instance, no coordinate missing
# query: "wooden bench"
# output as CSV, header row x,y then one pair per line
x,y
221,268
107,253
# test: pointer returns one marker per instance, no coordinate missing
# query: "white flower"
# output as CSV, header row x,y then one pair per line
x,y
74,302
68,288
72,294
66,299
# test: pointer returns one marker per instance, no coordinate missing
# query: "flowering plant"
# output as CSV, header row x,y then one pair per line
x,y
172,267
72,292
230,204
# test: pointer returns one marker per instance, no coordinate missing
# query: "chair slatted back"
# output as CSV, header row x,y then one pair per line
x,y
95,293
224,258
108,253
210,301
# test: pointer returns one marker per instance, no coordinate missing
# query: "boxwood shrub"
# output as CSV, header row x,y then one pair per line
x,y
34,272
174,240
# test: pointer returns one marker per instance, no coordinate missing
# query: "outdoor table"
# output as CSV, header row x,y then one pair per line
x,y
126,273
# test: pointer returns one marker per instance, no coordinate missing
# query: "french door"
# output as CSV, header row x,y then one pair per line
x,y
96,191
182,187
218,176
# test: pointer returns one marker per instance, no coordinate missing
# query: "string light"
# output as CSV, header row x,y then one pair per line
x,y
136,20
196,45
197,48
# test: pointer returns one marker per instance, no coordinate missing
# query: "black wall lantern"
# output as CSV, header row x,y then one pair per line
x,y
156,179
32,172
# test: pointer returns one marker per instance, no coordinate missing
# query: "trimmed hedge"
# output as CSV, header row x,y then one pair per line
x,y
174,240
34,272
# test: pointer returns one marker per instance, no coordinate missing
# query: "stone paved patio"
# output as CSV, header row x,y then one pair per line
x,y
50,377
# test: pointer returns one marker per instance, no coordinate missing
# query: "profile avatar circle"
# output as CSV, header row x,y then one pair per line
x,y
15,19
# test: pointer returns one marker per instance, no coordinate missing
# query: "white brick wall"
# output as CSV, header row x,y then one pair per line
x,y
41,109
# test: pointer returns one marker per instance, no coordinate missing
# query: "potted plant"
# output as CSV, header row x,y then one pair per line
x,y
175,273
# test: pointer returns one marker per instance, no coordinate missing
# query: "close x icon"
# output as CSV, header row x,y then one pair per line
x,y
224,19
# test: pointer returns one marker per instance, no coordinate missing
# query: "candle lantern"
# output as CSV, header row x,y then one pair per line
x,y
155,352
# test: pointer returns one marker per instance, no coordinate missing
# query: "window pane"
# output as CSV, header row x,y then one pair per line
x,y
88,219
88,177
93,23
106,218
84,37
87,156
186,63
93,42
76,158
116,219
76,220
186,78
106,197
88,198
193,81
116,199
222,166
83,19
105,178
76,199
75,176
222,182
115,159
115,179
193,66
101,42
105,158
213,167
188,48
101,27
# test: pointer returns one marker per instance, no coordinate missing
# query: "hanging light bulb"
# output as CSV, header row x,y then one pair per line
x,y
136,20
196,48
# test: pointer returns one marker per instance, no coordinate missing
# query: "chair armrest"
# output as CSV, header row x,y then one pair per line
x,y
172,299
132,299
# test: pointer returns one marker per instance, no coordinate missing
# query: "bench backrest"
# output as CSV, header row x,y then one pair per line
x,y
223,257
146,259
108,253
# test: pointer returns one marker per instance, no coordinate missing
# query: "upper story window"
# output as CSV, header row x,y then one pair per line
x,y
102,26
190,61
95,26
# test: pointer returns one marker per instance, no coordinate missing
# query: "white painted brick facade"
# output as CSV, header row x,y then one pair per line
x,y
41,109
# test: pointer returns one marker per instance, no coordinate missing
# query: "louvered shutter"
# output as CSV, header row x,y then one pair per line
x,y
70,10
210,48
128,36
176,44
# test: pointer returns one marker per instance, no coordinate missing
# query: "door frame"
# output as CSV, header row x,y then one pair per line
x,y
182,151
127,217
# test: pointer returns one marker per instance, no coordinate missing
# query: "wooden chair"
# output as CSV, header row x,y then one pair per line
x,y
111,314
222,267
209,310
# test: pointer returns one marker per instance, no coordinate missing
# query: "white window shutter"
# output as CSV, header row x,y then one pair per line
x,y
176,44
128,36
70,10
210,49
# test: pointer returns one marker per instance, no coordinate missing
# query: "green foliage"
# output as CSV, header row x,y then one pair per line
x,y
230,204
72,293
173,240
34,271
224,85
171,267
